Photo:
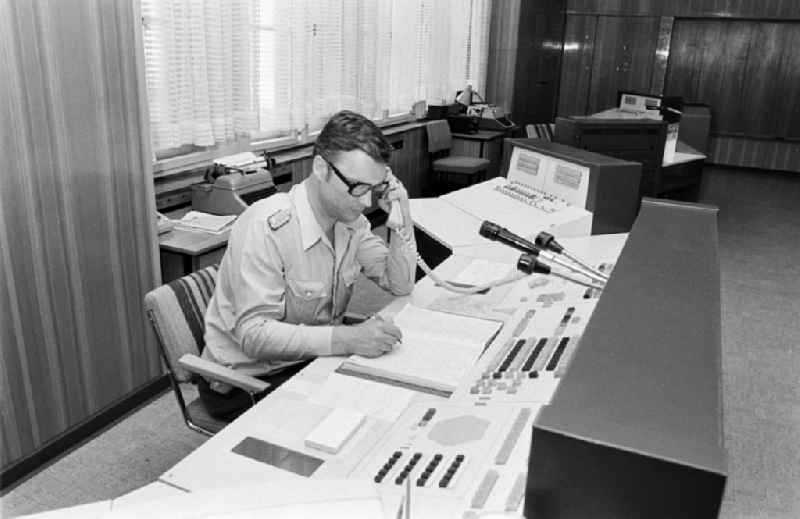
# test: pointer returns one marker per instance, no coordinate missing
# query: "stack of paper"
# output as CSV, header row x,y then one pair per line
x,y
240,160
437,349
204,222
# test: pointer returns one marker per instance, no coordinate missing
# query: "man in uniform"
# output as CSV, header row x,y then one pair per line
x,y
292,259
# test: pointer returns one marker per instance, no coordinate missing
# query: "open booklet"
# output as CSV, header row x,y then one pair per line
x,y
437,349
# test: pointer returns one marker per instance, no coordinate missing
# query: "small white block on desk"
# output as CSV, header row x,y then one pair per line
x,y
333,432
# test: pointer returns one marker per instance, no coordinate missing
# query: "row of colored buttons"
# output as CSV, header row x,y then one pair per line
x,y
451,471
408,468
387,466
427,417
423,478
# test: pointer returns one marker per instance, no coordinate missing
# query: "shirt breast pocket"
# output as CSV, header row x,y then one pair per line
x,y
306,300
345,289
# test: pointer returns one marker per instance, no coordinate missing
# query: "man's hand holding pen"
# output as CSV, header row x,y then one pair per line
x,y
372,338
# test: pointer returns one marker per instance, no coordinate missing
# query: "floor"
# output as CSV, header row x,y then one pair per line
x,y
759,241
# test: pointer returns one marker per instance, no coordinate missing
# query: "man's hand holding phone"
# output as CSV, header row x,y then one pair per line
x,y
394,200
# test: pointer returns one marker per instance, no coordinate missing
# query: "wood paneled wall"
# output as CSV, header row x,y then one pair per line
x,y
503,34
782,9
604,54
774,155
77,233
538,67
748,71
737,56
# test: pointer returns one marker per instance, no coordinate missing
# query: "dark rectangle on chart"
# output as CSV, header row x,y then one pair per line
x,y
277,456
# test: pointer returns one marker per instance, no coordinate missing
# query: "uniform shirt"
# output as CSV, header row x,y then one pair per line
x,y
281,285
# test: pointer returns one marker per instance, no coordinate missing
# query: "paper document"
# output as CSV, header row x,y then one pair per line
x,y
437,348
198,221
481,271
239,160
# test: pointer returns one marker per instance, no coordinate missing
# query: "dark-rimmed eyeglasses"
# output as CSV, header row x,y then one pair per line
x,y
358,189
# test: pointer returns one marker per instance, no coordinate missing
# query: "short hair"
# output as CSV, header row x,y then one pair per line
x,y
347,131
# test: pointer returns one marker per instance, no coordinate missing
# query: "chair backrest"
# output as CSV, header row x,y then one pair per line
x,y
540,131
177,312
439,137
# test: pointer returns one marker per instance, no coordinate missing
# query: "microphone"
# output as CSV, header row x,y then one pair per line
x,y
494,232
528,264
547,241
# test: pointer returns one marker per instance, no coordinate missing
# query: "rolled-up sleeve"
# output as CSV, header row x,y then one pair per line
x,y
258,291
393,268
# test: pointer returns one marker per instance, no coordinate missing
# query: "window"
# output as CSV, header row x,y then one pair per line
x,y
221,72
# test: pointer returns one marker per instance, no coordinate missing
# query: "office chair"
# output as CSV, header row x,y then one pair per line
x,y
543,131
177,312
440,140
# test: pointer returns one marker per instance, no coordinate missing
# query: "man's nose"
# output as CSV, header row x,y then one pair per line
x,y
366,199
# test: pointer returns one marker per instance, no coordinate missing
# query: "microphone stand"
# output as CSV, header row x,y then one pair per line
x,y
529,264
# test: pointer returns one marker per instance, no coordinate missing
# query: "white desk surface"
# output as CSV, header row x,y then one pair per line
x,y
154,491
446,223
100,509
457,230
683,154
286,416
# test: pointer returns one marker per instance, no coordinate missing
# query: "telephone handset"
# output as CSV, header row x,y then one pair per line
x,y
395,221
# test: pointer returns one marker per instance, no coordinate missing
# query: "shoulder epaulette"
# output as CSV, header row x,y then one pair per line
x,y
279,218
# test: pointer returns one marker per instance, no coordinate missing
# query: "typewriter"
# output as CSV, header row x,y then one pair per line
x,y
232,184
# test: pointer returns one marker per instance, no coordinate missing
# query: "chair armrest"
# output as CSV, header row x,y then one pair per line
x,y
215,371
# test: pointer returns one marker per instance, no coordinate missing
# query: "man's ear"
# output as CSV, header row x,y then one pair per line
x,y
319,167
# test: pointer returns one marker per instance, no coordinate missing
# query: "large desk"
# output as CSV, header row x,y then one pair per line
x,y
183,252
637,138
641,405
286,416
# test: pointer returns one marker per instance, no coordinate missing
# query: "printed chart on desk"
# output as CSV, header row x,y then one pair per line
x,y
475,457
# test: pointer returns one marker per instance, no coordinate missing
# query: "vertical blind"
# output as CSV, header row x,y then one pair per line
x,y
218,71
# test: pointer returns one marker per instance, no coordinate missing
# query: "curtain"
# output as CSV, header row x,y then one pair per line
x,y
303,61
77,235
202,63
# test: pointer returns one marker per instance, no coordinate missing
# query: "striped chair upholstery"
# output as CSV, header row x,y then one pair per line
x,y
177,312
540,131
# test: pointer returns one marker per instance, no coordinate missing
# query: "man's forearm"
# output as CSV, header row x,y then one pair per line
x,y
401,263
269,339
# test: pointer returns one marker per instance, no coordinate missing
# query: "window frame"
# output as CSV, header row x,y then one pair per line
x,y
172,165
